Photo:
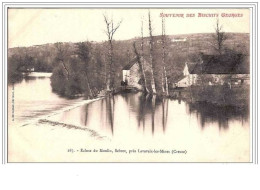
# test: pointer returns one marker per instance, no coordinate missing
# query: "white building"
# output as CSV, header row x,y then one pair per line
x,y
132,74
211,70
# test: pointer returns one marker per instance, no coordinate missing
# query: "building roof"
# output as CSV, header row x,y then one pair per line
x,y
191,66
222,64
134,61
180,78
130,64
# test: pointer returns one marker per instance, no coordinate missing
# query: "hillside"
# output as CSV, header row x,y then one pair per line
x,y
180,48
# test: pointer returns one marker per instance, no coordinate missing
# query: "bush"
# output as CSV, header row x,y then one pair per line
x,y
75,85
221,94
58,82
14,75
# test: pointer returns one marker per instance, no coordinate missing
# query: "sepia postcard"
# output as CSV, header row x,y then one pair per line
x,y
129,84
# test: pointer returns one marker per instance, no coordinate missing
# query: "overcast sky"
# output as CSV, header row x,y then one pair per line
x,y
27,27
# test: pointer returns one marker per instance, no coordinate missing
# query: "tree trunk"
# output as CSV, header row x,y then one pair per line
x,y
151,55
166,83
65,68
88,85
141,68
164,74
163,89
109,74
152,77
142,58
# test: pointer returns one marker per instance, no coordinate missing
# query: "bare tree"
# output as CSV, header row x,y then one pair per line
x,y
111,28
219,38
62,53
164,73
142,56
151,53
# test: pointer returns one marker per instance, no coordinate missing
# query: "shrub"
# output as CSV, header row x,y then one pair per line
x,y
14,75
221,94
75,85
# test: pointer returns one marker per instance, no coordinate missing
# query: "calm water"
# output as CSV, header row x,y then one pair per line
x,y
206,132
33,98
134,113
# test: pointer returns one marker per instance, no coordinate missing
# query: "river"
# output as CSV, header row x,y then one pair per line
x,y
135,119
32,98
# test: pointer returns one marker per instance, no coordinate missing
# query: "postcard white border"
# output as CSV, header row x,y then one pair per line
x,y
253,53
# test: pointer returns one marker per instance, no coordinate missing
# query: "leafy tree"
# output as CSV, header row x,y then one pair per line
x,y
83,51
62,54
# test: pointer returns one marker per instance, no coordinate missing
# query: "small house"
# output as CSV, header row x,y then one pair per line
x,y
132,73
216,70
176,39
30,69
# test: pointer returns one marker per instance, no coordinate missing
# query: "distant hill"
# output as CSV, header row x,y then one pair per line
x,y
192,43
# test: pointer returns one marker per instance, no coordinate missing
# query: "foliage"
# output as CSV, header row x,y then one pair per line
x,y
221,94
71,87
19,63
14,75
44,59
86,68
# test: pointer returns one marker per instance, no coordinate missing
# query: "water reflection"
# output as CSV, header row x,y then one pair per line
x,y
149,105
136,113
208,113
150,114
29,78
33,98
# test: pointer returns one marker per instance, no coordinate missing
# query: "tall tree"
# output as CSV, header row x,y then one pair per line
x,y
219,38
164,73
142,56
62,53
111,28
151,42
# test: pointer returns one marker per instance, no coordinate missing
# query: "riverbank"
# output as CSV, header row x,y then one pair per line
x,y
220,95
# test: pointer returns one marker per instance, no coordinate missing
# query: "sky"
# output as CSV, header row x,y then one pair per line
x,y
27,27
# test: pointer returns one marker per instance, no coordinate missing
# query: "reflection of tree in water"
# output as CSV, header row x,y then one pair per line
x,y
143,107
86,114
105,107
151,112
149,105
28,78
165,104
110,105
141,110
209,113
